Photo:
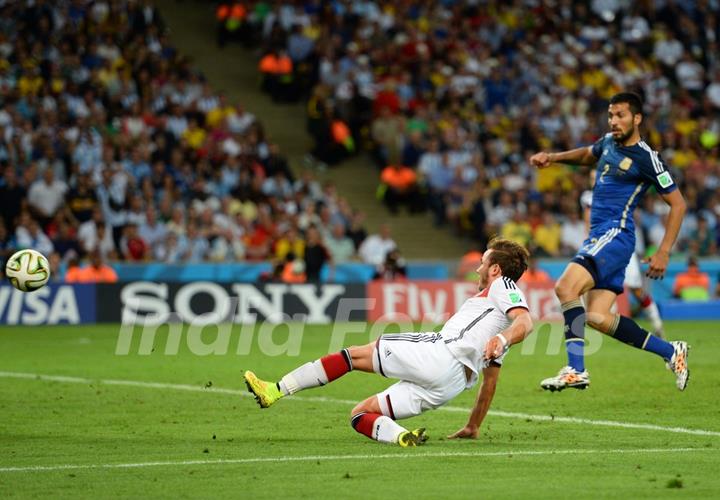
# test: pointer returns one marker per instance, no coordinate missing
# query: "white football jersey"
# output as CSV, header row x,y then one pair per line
x,y
478,320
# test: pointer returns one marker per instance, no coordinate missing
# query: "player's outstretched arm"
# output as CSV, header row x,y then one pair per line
x,y
659,261
482,403
521,327
579,156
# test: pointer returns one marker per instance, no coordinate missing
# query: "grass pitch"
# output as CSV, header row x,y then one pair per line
x,y
77,420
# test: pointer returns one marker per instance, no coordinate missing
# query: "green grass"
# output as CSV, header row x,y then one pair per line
x,y
51,423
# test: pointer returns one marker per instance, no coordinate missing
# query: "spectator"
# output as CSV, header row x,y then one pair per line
x,y
547,237
703,240
393,268
502,213
173,250
470,98
132,247
29,234
533,275
65,243
316,255
72,272
13,199
400,187
198,245
56,273
137,131
517,229
151,230
293,270
82,200
375,248
387,132
340,246
93,234
435,175
356,232
467,269
693,285
47,196
573,233
291,242
96,271
7,246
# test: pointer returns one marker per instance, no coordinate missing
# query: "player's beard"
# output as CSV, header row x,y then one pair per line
x,y
627,135
482,282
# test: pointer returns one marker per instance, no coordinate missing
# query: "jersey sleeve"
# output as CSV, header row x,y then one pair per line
x,y
655,171
597,148
586,199
506,295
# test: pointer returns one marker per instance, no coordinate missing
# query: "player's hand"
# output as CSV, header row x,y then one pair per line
x,y
658,265
494,348
467,432
540,160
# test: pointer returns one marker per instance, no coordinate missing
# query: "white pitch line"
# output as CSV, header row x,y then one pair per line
x,y
444,454
322,399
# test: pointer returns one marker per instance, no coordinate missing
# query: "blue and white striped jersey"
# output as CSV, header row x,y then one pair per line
x,y
624,174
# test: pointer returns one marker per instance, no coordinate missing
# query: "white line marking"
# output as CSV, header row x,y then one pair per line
x,y
402,455
321,399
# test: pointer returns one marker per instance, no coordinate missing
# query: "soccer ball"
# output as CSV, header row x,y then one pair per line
x,y
28,270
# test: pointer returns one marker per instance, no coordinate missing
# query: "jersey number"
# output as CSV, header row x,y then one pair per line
x,y
606,169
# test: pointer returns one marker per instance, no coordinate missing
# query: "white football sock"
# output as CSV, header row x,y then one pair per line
x,y
653,315
309,375
387,430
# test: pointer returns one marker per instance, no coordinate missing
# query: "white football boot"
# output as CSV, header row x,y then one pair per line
x,y
679,364
568,377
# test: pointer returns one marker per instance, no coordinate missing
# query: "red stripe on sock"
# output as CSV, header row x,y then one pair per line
x,y
646,301
364,424
335,366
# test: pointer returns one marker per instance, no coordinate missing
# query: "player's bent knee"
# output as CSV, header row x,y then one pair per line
x,y
362,357
566,291
370,405
597,321
594,324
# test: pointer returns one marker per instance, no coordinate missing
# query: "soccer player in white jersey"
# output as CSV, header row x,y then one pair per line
x,y
633,274
432,368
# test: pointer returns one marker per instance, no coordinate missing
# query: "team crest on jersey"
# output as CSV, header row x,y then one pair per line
x,y
664,180
514,297
625,164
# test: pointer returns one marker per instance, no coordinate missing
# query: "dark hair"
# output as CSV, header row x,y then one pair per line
x,y
632,99
510,256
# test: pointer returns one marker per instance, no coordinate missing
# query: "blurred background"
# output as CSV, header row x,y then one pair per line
x,y
339,142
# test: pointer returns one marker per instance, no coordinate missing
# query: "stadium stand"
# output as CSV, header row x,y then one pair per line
x,y
113,147
462,92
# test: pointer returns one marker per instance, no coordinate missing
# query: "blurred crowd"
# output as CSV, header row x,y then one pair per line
x,y
113,147
451,97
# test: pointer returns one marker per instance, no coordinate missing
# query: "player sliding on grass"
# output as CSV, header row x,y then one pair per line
x,y
433,368
626,169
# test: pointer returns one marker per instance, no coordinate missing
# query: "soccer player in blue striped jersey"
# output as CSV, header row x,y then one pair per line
x,y
626,168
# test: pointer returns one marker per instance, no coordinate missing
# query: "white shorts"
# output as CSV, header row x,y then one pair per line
x,y
633,274
429,374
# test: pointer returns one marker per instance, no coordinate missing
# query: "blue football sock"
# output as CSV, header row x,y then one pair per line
x,y
630,332
574,314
